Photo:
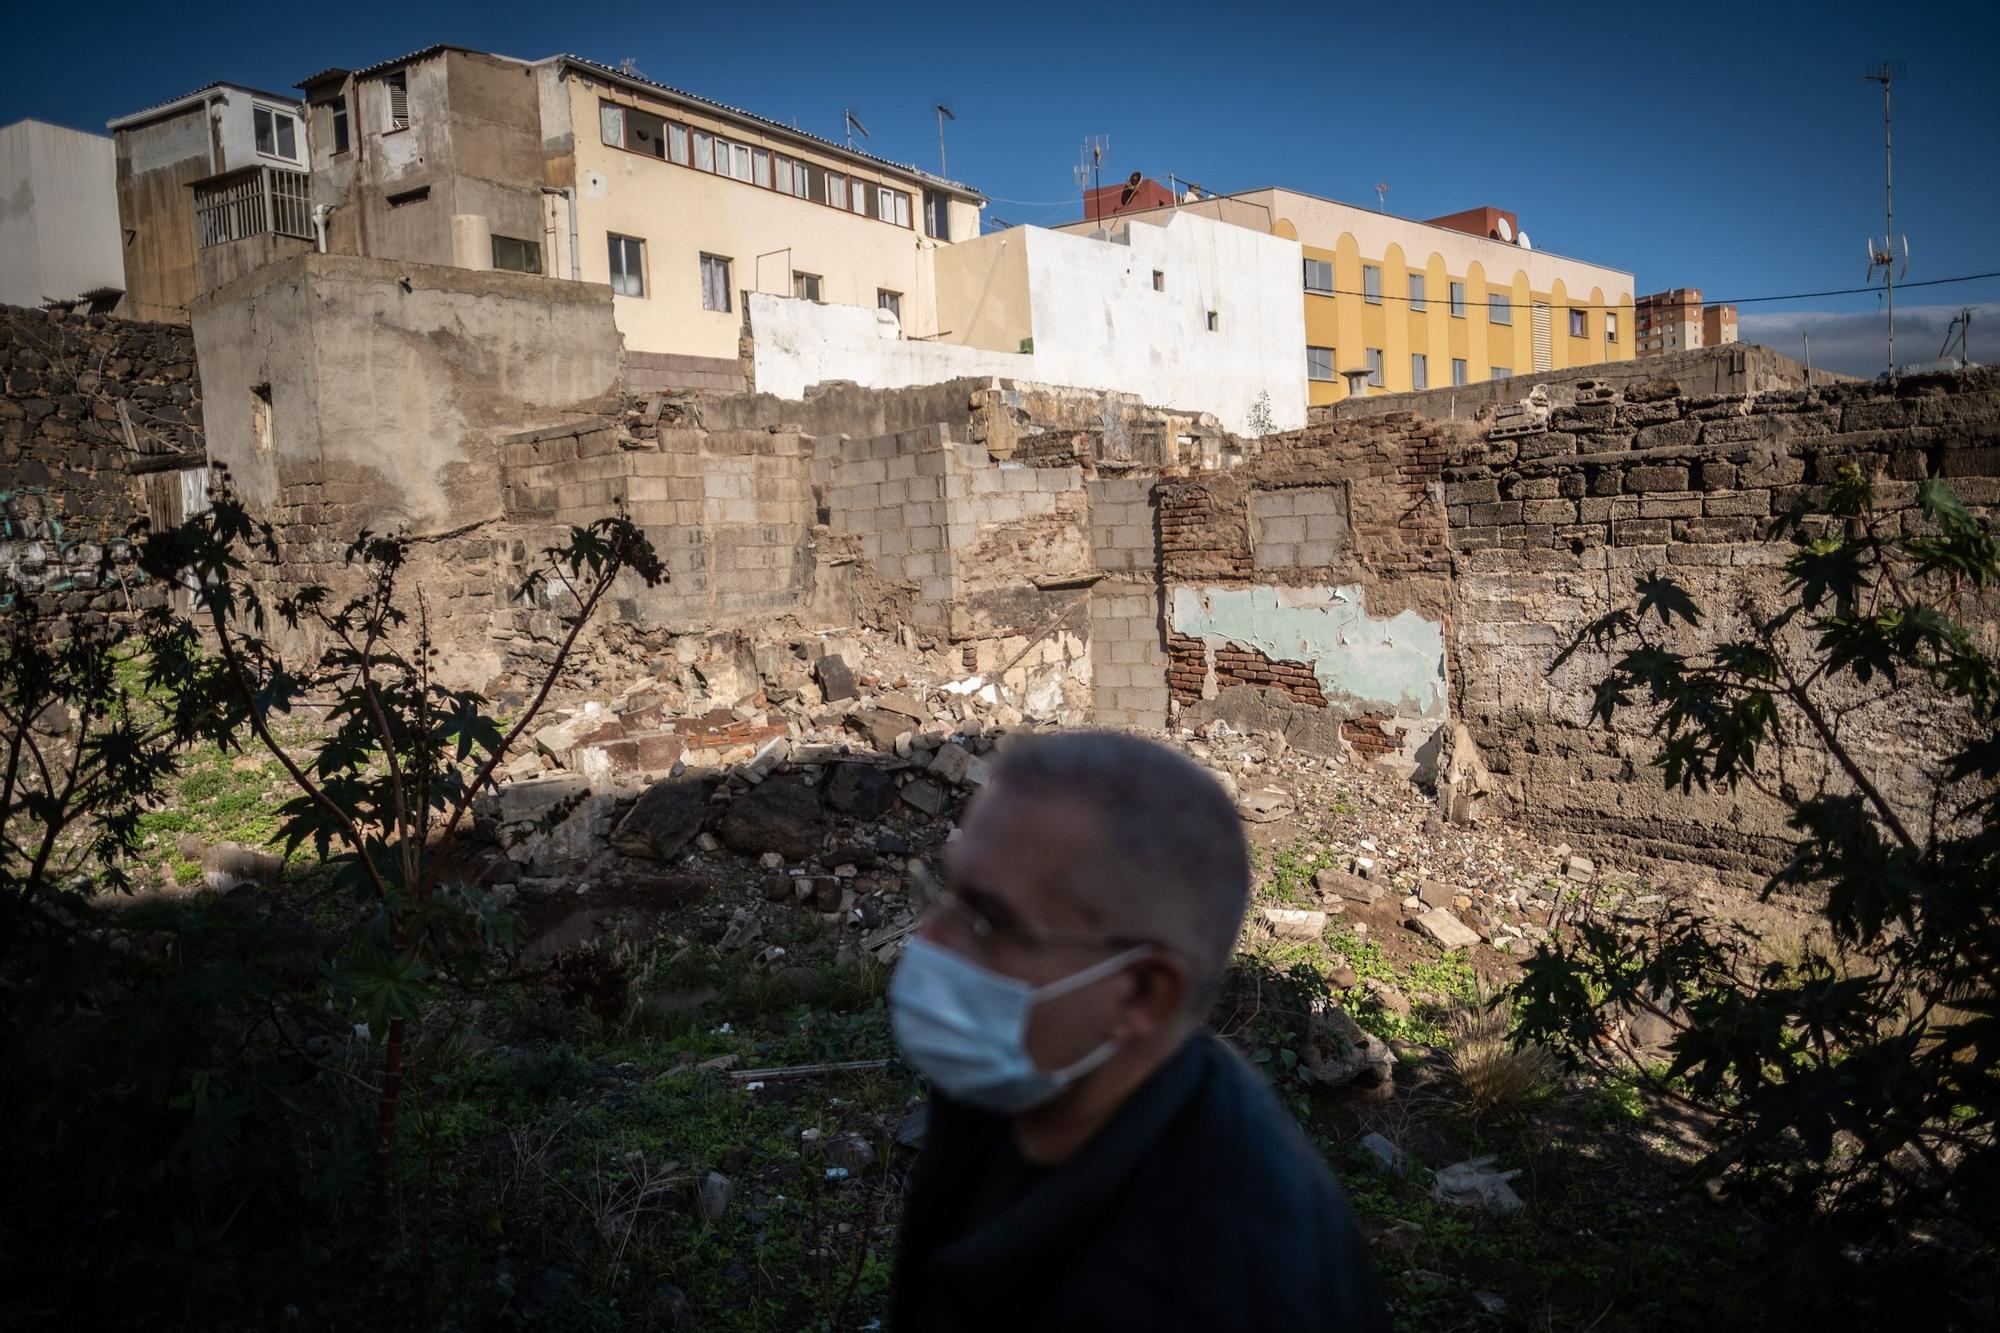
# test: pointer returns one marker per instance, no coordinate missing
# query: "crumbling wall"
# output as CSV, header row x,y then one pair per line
x,y
1318,570
1556,512
100,429
1128,660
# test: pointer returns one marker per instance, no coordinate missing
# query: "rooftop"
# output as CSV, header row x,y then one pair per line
x,y
190,99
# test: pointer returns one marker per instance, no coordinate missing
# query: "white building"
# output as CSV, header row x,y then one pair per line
x,y
58,217
1186,313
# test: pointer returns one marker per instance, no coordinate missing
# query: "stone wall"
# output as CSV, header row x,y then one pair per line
x,y
100,429
1555,514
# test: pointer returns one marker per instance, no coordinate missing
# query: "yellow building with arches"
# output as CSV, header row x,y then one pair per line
x,y
1393,304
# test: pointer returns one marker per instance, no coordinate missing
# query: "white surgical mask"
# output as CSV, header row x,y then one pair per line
x,y
965,1028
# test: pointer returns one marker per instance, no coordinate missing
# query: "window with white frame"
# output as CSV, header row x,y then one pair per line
x,y
1420,371
937,215
1319,363
1418,302
277,133
1499,309
1371,283
805,286
715,283
1375,380
889,301
628,265
1458,372
760,168
1503,372
1611,326
1319,276
1458,300
704,151
396,100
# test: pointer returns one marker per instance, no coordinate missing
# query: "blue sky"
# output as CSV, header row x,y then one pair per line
x,y
1730,147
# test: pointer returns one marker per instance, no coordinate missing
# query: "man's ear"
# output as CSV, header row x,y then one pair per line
x,y
1160,985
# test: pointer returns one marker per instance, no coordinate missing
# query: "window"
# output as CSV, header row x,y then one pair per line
x,y
1375,367
1417,301
836,190
902,208
337,117
937,215
1371,283
396,100
645,133
1579,326
805,286
1420,371
760,168
1214,321
783,175
277,133
1503,372
858,195
677,144
714,283
1319,276
739,162
517,256
416,196
1458,300
1159,280
704,151
1500,309
260,417
1611,326
628,265
1457,371
1319,362
889,301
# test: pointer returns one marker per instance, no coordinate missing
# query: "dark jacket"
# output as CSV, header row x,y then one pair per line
x,y
1199,1206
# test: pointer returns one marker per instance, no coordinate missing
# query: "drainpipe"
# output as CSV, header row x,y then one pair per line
x,y
575,261
320,214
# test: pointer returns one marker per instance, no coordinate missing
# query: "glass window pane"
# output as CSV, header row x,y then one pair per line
x,y
265,140
704,151
742,161
1417,291
288,144
677,143
761,168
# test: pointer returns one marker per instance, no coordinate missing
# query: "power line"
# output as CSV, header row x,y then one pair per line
x,y
1376,298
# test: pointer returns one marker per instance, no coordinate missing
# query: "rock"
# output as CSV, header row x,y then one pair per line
x,y
1400,1238
850,1151
1434,894
827,895
190,846
952,762
1388,997
604,763
771,861
778,889
1342,977
783,816
914,1128
925,795
229,864
1447,929
1476,1184
1343,885
1580,868
1492,1302
1385,1152
1365,867
880,727
670,1308
1289,923
1338,1051
769,755
712,1194
906,705
525,765
1266,805
836,681
744,928
664,819
861,790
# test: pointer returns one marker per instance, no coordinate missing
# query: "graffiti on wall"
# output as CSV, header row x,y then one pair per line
x,y
39,555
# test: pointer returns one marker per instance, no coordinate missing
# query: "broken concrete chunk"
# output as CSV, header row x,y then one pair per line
x,y
1580,868
1385,1152
881,727
906,705
1447,929
1343,885
783,815
769,755
925,795
1434,894
1266,805
836,681
666,818
1338,1051
228,864
1477,1184
1289,923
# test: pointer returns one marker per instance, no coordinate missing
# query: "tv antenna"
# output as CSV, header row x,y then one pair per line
x,y
944,113
1090,170
1960,328
1381,196
853,125
1886,72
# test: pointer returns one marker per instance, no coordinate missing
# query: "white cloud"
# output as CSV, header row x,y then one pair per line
x,y
1856,342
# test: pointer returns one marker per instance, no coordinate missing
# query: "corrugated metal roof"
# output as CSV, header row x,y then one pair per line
x,y
146,113
428,52
607,72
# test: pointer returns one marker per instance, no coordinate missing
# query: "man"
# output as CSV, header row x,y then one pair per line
x,y
1096,1159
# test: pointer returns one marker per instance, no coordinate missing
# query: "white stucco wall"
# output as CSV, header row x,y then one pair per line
x,y
58,214
1096,323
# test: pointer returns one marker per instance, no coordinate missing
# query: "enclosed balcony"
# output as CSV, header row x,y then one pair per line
x,y
246,218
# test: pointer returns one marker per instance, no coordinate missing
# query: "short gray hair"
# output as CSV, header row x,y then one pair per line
x,y
1171,861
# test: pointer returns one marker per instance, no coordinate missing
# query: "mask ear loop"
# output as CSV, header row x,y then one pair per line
x,y
1095,972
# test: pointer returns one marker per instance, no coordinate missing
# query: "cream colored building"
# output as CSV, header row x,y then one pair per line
x,y
573,169
1393,304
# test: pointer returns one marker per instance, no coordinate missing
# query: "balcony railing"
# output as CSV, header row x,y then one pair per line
x,y
251,202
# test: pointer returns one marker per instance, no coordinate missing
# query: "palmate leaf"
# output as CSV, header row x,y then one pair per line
x,y
1827,567
1666,598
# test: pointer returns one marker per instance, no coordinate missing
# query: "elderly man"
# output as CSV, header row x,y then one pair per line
x,y
1098,1160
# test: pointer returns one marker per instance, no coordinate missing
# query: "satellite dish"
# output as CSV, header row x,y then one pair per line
x,y
1521,239
1506,230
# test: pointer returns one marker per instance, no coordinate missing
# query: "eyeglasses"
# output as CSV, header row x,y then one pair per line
x,y
986,931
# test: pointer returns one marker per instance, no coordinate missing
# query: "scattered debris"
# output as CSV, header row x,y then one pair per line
x,y
1476,1183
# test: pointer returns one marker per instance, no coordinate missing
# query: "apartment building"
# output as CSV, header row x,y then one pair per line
x,y
1678,321
221,163
58,217
1393,304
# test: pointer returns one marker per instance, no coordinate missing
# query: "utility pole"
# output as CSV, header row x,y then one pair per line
x,y
1886,73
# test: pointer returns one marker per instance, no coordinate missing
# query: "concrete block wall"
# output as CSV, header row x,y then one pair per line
x,y
1553,525
1127,653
